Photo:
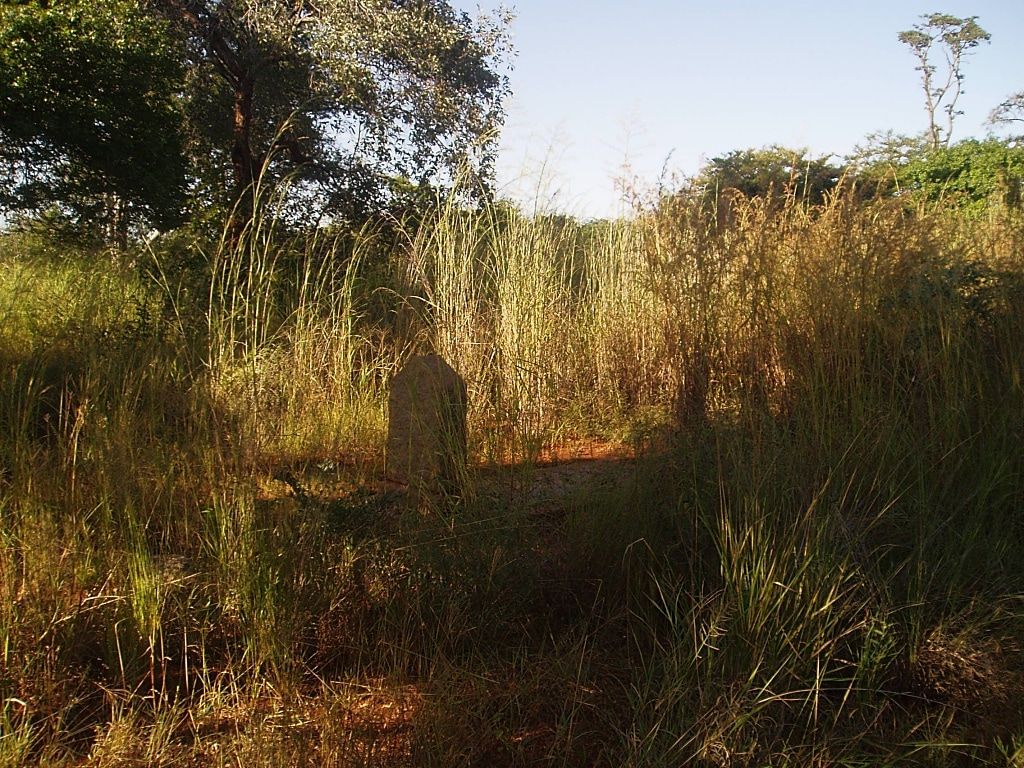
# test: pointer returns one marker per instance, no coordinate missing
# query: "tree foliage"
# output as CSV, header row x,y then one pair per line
x,y
876,165
343,95
970,172
88,117
955,38
886,149
139,106
771,170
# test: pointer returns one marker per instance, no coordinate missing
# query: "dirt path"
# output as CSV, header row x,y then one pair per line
x,y
559,475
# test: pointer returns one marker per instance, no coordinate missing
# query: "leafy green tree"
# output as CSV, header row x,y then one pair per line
x,y
342,96
971,172
955,38
88,116
771,170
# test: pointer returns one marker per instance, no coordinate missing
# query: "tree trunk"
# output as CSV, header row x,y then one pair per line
x,y
203,18
117,221
242,157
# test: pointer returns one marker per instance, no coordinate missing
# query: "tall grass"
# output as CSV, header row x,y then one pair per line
x,y
497,298
819,564
287,359
842,521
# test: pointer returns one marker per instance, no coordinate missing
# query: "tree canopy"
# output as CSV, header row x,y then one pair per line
x,y
88,114
771,170
345,96
139,107
970,172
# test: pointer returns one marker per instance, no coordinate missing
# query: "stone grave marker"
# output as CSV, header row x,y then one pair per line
x,y
426,446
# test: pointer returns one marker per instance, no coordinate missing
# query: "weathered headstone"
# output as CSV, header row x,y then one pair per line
x,y
427,426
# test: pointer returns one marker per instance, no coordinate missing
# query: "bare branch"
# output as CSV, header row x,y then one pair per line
x,y
1009,111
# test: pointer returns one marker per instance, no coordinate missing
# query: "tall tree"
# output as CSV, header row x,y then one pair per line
x,y
88,114
341,94
954,38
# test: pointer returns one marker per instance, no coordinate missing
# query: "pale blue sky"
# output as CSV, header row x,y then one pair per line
x,y
600,84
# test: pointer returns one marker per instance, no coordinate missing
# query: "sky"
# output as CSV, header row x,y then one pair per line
x,y
608,94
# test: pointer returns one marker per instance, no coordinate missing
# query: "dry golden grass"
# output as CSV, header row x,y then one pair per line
x,y
807,553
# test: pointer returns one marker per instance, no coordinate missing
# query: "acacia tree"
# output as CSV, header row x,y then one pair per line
x,y
955,38
88,114
343,95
